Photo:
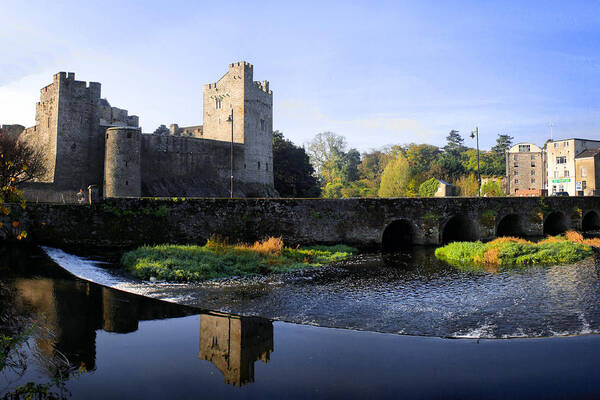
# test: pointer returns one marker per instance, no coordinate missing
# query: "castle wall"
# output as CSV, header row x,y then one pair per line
x,y
80,144
187,166
42,136
258,128
220,98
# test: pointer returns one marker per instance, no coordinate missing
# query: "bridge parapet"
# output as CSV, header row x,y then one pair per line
x,y
360,222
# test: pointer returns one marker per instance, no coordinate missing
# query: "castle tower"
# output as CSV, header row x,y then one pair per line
x,y
122,171
252,106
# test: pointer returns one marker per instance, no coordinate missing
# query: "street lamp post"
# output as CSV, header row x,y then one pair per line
x,y
475,134
230,119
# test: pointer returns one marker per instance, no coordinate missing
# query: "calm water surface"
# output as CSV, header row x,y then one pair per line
x,y
128,346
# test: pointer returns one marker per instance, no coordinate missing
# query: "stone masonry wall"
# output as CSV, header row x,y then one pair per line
x,y
359,222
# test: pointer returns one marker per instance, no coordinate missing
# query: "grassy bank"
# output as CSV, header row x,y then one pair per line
x,y
219,259
510,251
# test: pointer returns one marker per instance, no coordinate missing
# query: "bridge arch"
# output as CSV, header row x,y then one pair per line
x,y
459,228
555,223
591,221
511,225
397,235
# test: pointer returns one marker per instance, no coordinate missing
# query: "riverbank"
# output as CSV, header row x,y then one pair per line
x,y
513,252
219,259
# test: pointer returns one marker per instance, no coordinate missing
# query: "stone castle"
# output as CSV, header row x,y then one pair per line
x,y
89,143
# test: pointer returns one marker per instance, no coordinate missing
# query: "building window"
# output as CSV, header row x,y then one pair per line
x,y
244,166
561,160
516,157
524,148
259,165
126,183
125,163
267,166
583,185
515,172
556,174
128,135
566,144
532,165
532,180
566,173
561,188
532,172
583,172
533,156
553,188
262,125
516,181
218,103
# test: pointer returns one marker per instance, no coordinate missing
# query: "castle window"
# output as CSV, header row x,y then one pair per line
x,y
128,135
126,183
73,146
262,125
107,135
244,166
125,163
267,166
217,103
259,165
48,122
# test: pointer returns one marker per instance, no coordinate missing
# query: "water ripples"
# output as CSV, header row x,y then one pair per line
x,y
410,293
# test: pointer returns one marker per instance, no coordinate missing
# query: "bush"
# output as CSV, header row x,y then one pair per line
x,y
429,187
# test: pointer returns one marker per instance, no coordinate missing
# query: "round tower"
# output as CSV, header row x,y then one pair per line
x,y
122,170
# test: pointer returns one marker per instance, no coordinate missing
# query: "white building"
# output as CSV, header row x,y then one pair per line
x,y
561,163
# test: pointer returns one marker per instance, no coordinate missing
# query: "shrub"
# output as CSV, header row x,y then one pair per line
x,y
429,187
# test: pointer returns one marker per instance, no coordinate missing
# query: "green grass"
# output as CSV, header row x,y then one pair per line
x,y
512,252
217,260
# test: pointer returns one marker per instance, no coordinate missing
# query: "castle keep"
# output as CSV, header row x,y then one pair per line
x,y
88,142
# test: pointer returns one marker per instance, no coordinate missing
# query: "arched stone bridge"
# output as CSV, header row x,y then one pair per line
x,y
366,223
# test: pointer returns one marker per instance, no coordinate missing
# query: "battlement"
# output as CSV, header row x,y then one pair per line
x,y
264,86
241,64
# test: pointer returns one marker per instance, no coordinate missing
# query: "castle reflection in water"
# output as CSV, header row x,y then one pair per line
x,y
71,311
234,343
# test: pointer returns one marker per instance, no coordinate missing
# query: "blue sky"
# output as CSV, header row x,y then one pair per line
x,y
379,72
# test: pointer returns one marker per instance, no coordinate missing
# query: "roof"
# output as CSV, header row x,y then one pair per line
x,y
443,182
588,153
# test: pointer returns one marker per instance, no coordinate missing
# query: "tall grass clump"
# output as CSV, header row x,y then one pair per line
x,y
511,251
218,259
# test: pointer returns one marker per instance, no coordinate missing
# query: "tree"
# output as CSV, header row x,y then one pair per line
x,y
293,173
454,143
429,187
323,147
503,144
492,189
162,130
395,178
468,185
19,163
